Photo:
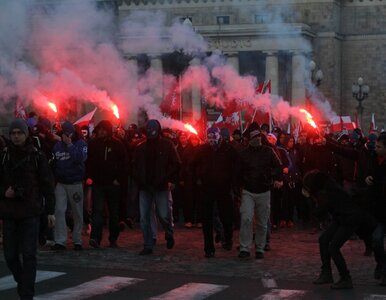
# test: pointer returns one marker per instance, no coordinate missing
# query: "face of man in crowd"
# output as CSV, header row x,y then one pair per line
x,y
282,139
291,143
236,137
380,149
194,142
102,133
18,137
183,140
302,138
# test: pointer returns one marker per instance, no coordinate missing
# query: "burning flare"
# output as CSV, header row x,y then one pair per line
x,y
190,128
53,107
309,118
115,109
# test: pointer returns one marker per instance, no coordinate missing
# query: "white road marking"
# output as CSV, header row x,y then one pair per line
x,y
282,294
100,286
269,283
191,291
7,282
375,297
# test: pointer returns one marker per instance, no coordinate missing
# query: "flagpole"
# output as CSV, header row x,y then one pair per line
x,y
241,122
180,92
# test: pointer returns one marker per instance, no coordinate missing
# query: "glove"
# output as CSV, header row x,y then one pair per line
x,y
51,221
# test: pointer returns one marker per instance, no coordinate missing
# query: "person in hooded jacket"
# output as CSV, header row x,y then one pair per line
x,y
156,167
347,218
25,178
69,168
106,169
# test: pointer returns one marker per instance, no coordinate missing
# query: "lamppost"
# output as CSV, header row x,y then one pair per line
x,y
360,92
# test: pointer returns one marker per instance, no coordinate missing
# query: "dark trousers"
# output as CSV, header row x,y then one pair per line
x,y
276,205
22,236
291,194
110,194
224,202
192,203
330,242
379,248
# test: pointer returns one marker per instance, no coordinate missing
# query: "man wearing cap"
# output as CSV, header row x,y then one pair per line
x,y
25,178
156,167
106,167
215,169
69,168
259,169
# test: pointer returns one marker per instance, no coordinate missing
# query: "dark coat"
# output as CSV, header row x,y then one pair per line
x,y
257,168
155,164
106,161
26,170
216,168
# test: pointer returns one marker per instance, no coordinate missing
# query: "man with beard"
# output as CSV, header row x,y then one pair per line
x,y
25,178
106,167
215,169
259,169
156,167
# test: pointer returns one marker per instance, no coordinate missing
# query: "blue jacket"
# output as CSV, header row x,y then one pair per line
x,y
69,161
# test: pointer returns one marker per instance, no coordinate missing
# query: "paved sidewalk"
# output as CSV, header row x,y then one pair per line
x,y
294,256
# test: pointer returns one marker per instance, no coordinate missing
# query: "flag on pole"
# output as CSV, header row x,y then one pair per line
x,y
172,104
341,123
86,119
20,112
372,124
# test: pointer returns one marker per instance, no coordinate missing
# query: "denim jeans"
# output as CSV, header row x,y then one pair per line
x,y
110,194
21,236
147,200
379,248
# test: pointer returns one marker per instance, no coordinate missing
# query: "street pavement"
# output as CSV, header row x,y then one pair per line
x,y
286,272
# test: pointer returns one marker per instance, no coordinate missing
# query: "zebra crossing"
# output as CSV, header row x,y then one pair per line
x,y
107,285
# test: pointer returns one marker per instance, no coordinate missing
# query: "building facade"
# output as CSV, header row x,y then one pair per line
x,y
277,39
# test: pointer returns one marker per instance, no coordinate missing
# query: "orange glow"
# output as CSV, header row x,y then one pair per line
x,y
190,128
308,117
115,109
53,107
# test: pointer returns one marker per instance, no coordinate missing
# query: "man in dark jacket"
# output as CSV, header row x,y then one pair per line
x,y
156,167
215,169
25,177
106,168
377,182
69,168
259,169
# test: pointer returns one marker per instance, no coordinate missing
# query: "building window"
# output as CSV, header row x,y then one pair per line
x,y
262,19
221,20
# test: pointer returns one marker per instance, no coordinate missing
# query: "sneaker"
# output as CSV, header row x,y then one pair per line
x,y
324,277
188,225
93,243
244,254
58,247
49,243
209,254
259,255
78,247
170,243
146,251
343,284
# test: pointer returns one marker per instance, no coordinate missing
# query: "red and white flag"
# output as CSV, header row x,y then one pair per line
x,y
229,118
171,104
340,123
86,119
372,124
20,112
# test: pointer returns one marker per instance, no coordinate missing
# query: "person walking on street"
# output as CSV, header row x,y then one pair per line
x,y
25,178
156,166
69,168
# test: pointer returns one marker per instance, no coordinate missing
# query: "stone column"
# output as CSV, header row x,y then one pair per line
x,y
133,66
157,88
233,60
272,71
298,79
196,96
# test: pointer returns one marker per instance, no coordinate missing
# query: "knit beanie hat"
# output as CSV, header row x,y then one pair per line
x,y
68,128
19,124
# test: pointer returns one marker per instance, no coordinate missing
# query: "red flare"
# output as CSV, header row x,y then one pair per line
x,y
190,128
53,107
115,109
309,118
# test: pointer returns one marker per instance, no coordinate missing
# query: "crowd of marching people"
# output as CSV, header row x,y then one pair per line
x,y
256,181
